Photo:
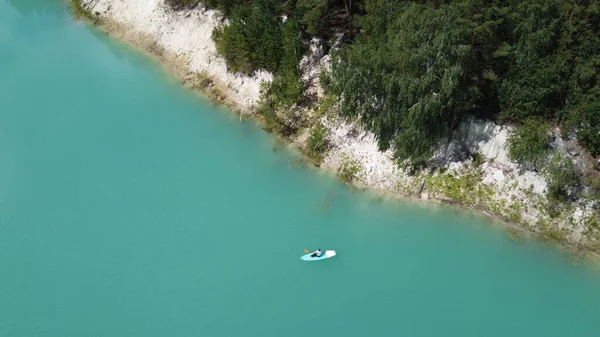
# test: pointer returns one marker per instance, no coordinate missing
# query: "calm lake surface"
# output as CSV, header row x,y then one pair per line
x,y
130,206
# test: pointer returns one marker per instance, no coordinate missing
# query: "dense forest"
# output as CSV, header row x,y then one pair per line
x,y
413,70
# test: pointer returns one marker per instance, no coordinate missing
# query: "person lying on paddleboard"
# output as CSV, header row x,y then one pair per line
x,y
317,253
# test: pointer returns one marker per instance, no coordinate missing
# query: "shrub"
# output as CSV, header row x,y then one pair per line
x,y
232,44
317,142
478,159
180,4
253,37
591,222
81,12
225,6
583,121
204,80
287,88
594,188
406,76
348,170
528,144
325,104
563,177
312,13
552,234
274,121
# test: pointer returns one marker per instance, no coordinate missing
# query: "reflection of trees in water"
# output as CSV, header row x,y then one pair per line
x,y
30,7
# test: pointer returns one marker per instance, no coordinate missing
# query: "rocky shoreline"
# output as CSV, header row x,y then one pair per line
x,y
488,181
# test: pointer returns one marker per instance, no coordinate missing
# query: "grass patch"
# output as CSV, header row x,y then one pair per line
x,y
591,222
528,144
217,94
459,187
278,119
317,142
348,171
553,234
204,80
326,104
81,12
273,122
515,217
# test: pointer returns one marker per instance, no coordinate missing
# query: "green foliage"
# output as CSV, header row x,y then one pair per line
x,y
564,179
535,78
405,76
593,185
317,142
225,6
553,66
464,188
553,208
348,170
255,38
418,67
325,104
232,44
528,144
583,121
287,87
216,93
580,40
81,12
179,4
266,109
552,234
592,222
273,116
273,123
252,38
204,80
478,159
312,15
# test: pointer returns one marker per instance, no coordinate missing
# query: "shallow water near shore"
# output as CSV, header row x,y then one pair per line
x,y
130,206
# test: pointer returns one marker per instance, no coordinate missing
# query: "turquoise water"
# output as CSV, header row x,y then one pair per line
x,y
132,207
